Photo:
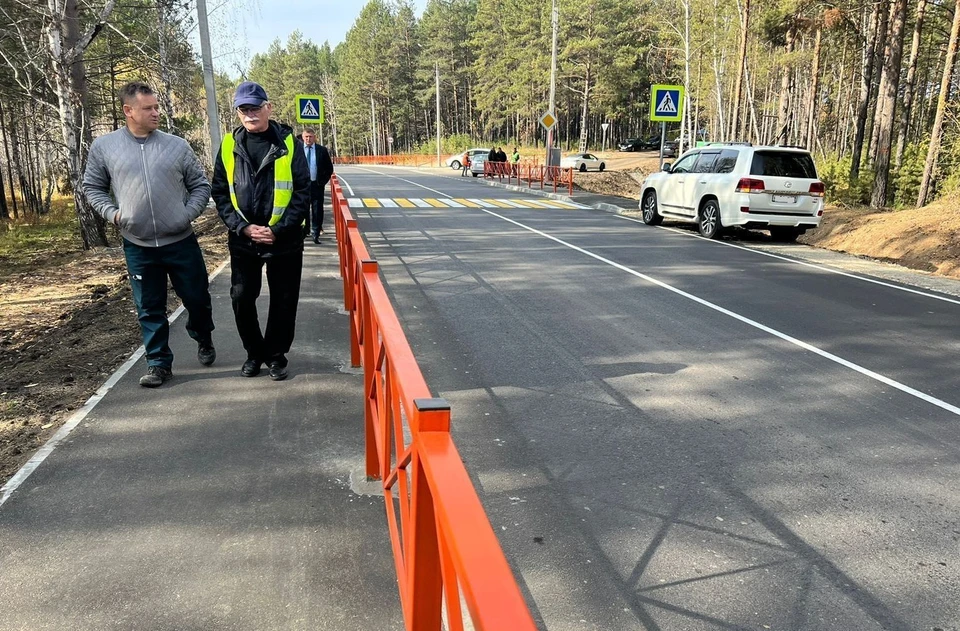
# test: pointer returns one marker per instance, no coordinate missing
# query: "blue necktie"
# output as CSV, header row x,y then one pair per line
x,y
312,161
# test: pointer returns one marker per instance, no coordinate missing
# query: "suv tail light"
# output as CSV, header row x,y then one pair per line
x,y
817,189
749,185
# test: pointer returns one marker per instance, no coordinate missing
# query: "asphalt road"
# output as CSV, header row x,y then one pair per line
x,y
672,433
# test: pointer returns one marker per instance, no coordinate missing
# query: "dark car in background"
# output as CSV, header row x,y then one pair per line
x,y
640,144
670,148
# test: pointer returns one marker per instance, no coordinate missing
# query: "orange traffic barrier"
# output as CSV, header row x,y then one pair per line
x,y
441,537
557,177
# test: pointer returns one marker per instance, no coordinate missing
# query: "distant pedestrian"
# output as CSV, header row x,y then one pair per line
x,y
515,162
261,185
465,164
321,168
158,188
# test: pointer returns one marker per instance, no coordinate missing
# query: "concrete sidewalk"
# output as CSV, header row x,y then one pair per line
x,y
215,501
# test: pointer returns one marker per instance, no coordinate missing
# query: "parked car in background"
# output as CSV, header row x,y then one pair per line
x,y
477,160
456,161
670,148
640,144
582,162
723,185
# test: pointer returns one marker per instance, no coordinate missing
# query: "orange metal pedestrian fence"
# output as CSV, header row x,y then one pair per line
x,y
443,544
556,177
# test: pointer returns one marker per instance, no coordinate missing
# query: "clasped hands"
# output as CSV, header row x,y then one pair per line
x,y
259,234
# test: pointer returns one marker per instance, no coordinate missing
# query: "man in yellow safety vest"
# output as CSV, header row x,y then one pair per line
x,y
261,186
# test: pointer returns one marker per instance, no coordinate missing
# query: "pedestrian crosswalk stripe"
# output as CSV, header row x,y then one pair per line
x,y
481,203
459,202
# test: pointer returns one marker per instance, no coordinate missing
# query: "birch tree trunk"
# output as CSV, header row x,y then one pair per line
x,y
814,90
934,150
786,84
887,101
163,18
66,56
910,87
741,69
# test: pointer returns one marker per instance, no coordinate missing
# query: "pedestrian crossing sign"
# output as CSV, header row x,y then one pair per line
x,y
666,103
309,108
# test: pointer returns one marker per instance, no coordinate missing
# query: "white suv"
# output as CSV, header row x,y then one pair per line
x,y
736,184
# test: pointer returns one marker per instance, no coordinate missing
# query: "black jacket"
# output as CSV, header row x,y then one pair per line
x,y
254,188
324,163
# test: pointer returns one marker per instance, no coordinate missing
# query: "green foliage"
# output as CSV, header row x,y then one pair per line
x,y
834,171
26,240
906,180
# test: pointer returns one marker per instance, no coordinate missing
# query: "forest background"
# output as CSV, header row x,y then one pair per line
x,y
869,87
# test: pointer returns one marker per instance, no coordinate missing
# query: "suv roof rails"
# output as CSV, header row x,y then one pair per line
x,y
745,144
792,147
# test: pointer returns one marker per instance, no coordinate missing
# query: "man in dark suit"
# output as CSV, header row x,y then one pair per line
x,y
321,168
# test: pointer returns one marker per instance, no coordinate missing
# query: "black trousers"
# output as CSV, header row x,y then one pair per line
x,y
316,208
283,281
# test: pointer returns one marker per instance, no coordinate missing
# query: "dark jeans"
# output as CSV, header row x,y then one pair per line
x,y
149,267
316,208
283,280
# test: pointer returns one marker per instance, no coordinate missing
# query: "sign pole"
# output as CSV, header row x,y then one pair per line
x,y
663,137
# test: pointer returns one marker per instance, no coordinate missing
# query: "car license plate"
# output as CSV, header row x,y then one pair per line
x,y
785,199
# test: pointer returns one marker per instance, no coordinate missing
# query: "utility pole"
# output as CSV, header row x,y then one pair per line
x,y
373,127
553,81
439,159
213,115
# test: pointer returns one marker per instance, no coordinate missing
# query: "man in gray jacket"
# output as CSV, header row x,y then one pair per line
x,y
158,187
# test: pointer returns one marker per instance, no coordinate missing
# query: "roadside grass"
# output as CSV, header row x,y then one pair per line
x,y
29,242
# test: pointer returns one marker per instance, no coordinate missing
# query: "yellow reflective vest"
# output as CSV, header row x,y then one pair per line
x,y
282,177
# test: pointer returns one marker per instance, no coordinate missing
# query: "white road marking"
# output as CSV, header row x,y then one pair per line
x,y
355,202
31,465
420,203
736,316
452,204
344,183
480,202
387,202
804,263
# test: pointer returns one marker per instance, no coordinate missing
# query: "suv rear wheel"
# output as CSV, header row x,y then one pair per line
x,y
455,165
709,220
651,216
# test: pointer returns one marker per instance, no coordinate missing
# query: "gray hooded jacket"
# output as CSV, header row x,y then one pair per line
x,y
158,187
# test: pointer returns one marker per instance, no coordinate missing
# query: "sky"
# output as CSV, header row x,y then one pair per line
x,y
249,27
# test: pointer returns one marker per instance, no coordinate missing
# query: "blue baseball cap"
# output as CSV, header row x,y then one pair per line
x,y
249,93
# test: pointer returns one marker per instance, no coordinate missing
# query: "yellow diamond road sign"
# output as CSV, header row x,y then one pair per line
x,y
548,120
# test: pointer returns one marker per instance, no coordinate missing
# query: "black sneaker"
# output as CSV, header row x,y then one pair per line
x,y
206,353
155,376
250,368
278,372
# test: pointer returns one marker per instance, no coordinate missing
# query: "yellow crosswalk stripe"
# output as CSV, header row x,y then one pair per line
x,y
498,203
370,202
406,203
466,202
564,205
436,203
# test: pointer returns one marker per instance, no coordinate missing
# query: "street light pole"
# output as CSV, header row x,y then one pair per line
x,y
555,20
439,160
213,116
